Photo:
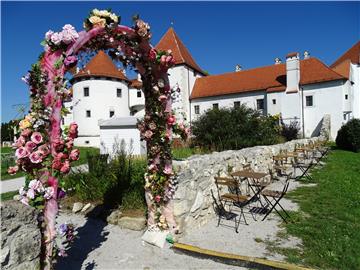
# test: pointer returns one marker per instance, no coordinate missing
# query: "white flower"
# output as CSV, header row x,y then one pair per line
x,y
49,193
96,12
49,34
114,17
22,191
56,38
36,185
104,13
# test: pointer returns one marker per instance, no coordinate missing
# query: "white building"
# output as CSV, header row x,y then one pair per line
x,y
300,90
106,104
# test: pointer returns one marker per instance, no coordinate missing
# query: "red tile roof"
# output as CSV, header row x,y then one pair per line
x,y
171,41
101,65
268,78
342,64
353,54
135,84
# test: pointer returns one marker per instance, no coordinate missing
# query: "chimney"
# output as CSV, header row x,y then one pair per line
x,y
292,72
237,68
139,77
306,55
277,61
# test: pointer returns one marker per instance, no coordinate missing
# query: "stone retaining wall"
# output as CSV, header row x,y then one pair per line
x,y
193,202
20,237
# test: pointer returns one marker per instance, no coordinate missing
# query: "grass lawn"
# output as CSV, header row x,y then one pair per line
x,y
5,164
8,195
328,221
185,152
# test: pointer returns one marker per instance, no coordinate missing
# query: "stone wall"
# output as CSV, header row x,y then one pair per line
x,y
20,237
193,202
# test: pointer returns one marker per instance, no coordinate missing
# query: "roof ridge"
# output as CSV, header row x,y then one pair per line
x,y
177,44
337,61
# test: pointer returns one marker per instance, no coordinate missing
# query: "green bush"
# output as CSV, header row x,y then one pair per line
x,y
110,181
348,137
290,131
234,128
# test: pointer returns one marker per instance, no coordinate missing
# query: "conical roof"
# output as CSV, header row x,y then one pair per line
x,y
101,65
171,41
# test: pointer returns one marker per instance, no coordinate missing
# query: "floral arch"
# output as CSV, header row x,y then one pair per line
x,y
45,151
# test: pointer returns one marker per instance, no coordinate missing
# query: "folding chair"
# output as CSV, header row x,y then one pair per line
x,y
221,211
276,196
304,168
233,198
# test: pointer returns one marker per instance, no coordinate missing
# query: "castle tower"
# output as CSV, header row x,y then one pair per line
x,y
185,71
100,91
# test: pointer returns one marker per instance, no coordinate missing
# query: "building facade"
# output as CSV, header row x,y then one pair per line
x,y
106,104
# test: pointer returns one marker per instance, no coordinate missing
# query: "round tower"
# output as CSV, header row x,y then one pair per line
x,y
100,91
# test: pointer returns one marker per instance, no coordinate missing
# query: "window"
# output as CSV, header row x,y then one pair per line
x,y
86,92
138,94
118,92
112,112
309,101
236,104
197,109
216,106
88,113
260,104
274,101
346,97
87,142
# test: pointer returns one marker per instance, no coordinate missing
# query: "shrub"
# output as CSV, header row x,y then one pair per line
x,y
348,136
110,181
290,131
234,128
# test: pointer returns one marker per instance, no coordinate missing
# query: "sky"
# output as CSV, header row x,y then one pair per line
x,y
219,35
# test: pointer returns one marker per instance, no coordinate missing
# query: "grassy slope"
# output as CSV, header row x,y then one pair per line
x,y
329,218
82,160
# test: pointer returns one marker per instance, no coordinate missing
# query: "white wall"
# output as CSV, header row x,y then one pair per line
x,y
355,89
135,102
249,99
102,98
111,135
328,98
185,78
274,108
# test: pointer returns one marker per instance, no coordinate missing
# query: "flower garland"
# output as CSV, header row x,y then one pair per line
x,y
45,151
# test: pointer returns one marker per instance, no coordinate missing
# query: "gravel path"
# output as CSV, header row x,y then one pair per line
x,y
105,246
16,183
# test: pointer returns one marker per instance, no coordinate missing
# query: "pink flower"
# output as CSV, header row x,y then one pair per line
x,y
30,146
58,145
21,152
56,164
26,132
24,200
69,34
66,167
70,143
36,137
162,98
168,169
13,170
70,60
148,134
56,38
168,135
171,120
49,193
35,157
19,142
44,149
187,131
75,154
73,130
36,185
49,34
152,54
30,194
163,59
153,167
181,126
157,198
